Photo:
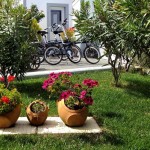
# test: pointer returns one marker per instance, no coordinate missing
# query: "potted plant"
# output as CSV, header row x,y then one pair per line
x,y
37,112
70,32
10,106
73,99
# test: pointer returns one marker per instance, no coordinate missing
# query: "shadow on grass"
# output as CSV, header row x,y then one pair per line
x,y
32,89
112,138
22,139
112,115
93,139
138,88
104,138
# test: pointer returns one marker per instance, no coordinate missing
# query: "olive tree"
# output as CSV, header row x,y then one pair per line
x,y
136,25
116,26
104,26
16,34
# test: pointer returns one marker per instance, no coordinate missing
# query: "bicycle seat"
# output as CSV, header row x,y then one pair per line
x,y
67,44
56,32
42,32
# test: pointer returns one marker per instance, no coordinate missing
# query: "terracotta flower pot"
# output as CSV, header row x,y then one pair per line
x,y
72,118
39,118
10,118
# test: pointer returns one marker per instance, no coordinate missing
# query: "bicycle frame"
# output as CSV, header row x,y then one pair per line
x,y
55,32
67,49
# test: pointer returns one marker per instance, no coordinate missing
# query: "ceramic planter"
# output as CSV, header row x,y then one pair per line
x,y
72,118
39,118
9,119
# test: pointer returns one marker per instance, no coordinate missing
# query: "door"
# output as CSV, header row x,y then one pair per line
x,y
56,16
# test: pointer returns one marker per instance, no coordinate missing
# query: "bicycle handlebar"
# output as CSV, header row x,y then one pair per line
x,y
65,21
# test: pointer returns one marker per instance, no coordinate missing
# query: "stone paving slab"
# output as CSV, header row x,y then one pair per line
x,y
53,125
22,126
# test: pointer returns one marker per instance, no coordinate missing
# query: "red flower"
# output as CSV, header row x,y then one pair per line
x,y
10,78
5,99
2,79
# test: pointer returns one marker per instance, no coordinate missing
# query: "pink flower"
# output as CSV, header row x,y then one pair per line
x,y
83,94
65,73
64,95
60,86
90,83
47,82
54,75
88,100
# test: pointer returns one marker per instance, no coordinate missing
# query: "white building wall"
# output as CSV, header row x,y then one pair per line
x,y
76,5
91,6
42,6
21,2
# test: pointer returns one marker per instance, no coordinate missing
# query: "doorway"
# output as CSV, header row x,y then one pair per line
x,y
56,13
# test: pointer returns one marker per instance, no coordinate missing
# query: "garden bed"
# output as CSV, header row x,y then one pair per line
x,y
122,114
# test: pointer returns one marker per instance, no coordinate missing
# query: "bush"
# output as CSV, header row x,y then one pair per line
x,y
16,34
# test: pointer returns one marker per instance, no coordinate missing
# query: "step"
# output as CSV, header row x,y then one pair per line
x,y
53,125
47,72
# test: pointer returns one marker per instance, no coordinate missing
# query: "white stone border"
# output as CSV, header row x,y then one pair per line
x,y
53,125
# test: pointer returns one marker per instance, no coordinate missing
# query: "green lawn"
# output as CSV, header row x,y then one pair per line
x,y
123,113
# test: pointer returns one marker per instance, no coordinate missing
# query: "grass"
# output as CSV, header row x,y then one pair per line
x,y
123,113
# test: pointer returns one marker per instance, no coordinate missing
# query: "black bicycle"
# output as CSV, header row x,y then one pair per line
x,y
90,50
42,45
91,53
60,50
34,62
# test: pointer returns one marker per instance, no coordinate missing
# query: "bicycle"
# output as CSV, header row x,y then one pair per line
x,y
91,53
35,62
55,54
43,44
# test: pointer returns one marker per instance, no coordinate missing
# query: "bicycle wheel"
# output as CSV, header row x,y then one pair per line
x,y
35,62
64,58
92,55
40,52
53,55
74,54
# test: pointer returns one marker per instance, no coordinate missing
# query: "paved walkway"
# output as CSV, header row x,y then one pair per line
x,y
45,68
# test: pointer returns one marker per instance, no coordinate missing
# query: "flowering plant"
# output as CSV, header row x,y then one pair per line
x,y
9,79
70,34
75,95
9,99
